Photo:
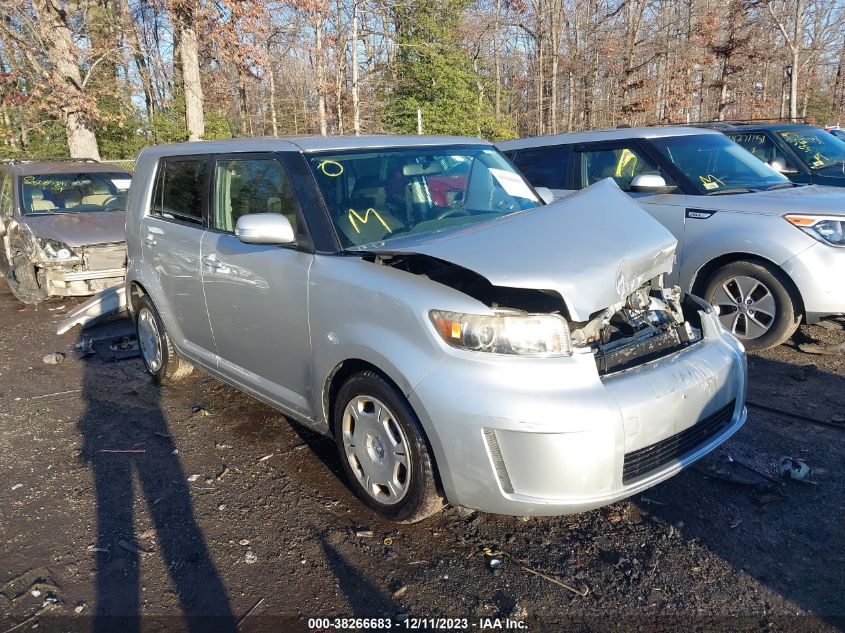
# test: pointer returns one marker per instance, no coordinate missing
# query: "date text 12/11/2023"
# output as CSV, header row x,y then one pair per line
x,y
416,624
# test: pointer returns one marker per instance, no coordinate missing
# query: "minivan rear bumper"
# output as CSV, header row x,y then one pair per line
x,y
549,437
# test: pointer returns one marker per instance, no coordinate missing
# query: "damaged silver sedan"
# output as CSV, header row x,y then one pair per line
x,y
62,227
416,300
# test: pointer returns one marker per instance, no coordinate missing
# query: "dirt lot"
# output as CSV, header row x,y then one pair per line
x,y
219,507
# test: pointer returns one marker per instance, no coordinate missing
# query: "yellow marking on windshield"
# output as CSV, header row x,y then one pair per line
x,y
353,214
711,182
336,168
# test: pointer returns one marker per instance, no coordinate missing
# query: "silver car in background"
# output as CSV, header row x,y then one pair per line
x,y
414,299
765,252
62,227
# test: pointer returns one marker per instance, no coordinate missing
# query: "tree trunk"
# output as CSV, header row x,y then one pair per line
x,y
271,74
356,108
497,62
134,43
67,78
192,84
319,71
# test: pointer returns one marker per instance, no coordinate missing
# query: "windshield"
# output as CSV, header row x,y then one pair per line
x,y
816,148
74,193
714,164
379,195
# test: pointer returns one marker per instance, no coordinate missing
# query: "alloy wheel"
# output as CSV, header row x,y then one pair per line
x,y
746,306
149,339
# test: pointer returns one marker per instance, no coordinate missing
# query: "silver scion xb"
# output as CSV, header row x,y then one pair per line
x,y
764,251
414,299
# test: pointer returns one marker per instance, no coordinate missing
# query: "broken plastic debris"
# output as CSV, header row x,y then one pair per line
x,y
16,486
796,469
727,468
812,348
54,359
103,304
193,478
364,533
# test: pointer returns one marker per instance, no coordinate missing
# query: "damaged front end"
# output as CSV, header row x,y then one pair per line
x,y
651,322
81,271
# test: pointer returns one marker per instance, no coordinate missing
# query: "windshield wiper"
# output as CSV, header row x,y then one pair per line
x,y
732,190
781,185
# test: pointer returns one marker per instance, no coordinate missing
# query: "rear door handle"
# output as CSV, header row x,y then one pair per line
x,y
150,239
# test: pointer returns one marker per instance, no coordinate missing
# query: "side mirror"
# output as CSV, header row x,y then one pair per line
x,y
264,228
780,166
650,183
545,194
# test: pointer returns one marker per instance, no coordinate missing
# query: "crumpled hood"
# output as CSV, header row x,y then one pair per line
x,y
80,229
594,248
808,199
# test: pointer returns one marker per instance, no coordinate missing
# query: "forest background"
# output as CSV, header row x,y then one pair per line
x,y
103,78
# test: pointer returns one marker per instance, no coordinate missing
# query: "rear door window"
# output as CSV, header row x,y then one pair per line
x,y
251,185
759,144
180,190
544,166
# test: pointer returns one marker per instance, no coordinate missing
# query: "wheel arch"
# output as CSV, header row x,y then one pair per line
x,y
701,276
351,366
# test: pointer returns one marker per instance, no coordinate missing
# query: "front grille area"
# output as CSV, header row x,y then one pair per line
x,y
644,460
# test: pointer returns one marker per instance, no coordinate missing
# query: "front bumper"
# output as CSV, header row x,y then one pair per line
x,y
819,274
80,283
549,436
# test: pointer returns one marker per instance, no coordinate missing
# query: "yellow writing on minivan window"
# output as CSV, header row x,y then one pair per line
x,y
331,168
711,182
627,160
354,215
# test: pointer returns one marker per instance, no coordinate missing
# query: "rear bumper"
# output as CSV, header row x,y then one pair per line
x,y
819,274
548,437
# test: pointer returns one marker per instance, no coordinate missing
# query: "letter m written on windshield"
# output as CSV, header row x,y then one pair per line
x,y
354,215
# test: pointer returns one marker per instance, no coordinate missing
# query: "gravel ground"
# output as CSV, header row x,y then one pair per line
x,y
179,504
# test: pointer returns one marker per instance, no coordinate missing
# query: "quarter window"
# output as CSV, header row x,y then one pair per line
x,y
621,164
246,186
544,166
180,190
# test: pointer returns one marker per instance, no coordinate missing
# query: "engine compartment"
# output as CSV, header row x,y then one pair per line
x,y
653,321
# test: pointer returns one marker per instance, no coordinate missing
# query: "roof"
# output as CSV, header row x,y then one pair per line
x,y
603,135
59,167
308,144
740,126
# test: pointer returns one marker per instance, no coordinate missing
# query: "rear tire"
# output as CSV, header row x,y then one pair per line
x,y
383,449
755,302
161,361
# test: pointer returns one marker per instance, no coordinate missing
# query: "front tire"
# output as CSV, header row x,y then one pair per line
x,y
23,281
157,351
383,450
755,302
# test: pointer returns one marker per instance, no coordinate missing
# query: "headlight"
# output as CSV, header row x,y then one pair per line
x,y
825,228
514,333
54,250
